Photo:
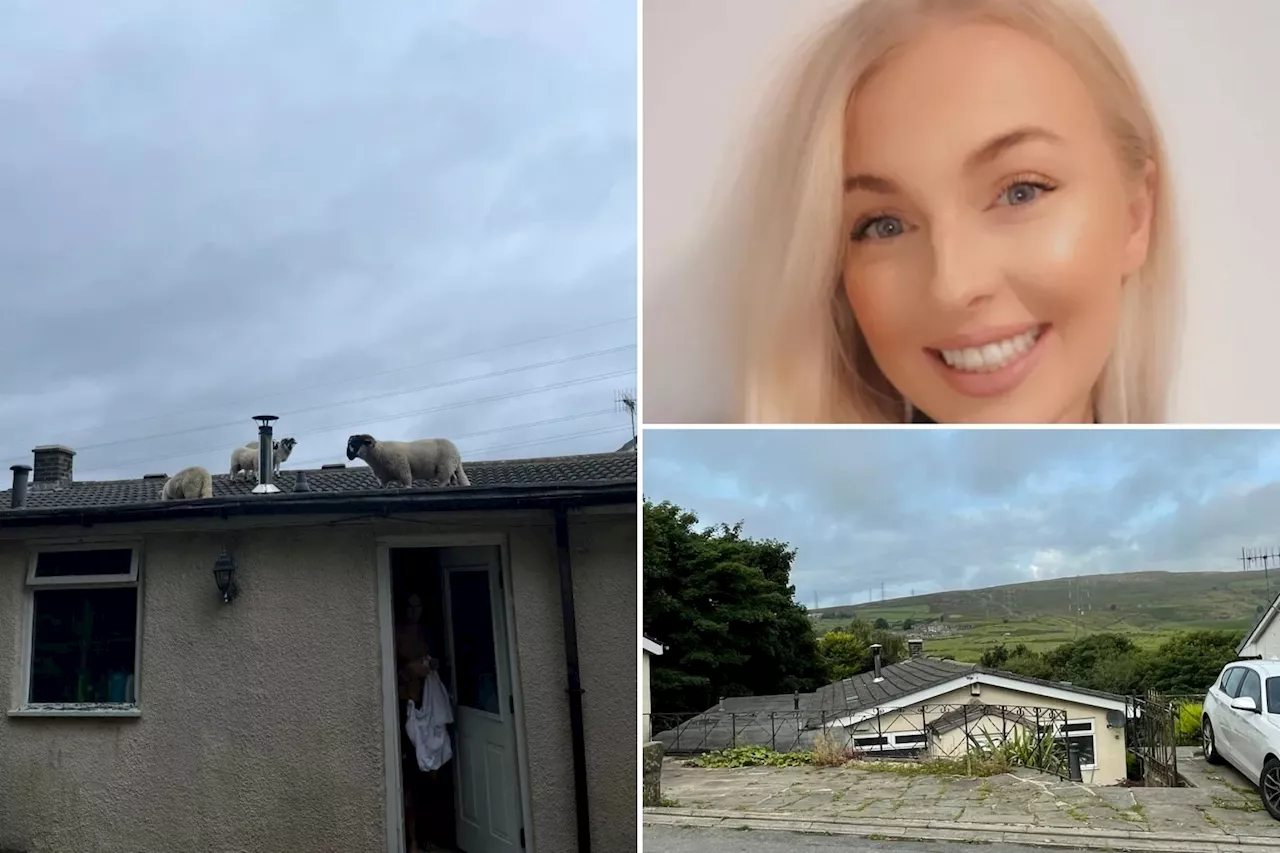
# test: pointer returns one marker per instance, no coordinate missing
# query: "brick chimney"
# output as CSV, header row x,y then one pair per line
x,y
52,465
915,646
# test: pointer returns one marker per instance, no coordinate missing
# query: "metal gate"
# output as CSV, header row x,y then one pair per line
x,y
1151,737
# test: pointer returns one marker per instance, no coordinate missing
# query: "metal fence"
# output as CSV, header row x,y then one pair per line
x,y
1154,732
1021,735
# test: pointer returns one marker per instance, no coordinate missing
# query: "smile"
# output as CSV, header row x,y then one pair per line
x,y
991,356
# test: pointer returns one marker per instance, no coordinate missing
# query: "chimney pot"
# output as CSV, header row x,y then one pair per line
x,y
53,464
875,659
18,499
300,483
266,459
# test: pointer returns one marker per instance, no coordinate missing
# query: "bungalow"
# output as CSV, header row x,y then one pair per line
x,y
1262,640
222,674
921,707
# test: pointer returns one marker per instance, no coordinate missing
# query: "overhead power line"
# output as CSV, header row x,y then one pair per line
x,y
382,419
354,377
367,398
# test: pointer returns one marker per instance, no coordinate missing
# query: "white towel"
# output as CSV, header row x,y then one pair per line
x,y
425,724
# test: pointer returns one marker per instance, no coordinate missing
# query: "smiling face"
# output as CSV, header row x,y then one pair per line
x,y
990,226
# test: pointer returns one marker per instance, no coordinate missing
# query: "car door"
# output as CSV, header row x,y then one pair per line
x,y
1249,742
1223,717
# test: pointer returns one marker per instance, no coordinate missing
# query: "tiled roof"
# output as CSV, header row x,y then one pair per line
x,y
551,471
897,680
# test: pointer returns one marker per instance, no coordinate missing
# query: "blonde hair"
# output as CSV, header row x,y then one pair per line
x,y
804,360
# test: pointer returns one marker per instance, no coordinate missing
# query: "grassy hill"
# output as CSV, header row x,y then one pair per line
x,y
1147,606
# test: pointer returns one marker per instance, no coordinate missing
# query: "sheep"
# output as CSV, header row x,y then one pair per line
x,y
244,460
189,483
399,463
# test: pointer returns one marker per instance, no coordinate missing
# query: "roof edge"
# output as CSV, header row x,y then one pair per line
x,y
376,502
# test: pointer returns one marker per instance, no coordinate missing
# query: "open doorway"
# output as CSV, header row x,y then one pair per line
x,y
450,623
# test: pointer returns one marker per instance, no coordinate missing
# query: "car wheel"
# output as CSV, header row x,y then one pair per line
x,y
1211,754
1270,785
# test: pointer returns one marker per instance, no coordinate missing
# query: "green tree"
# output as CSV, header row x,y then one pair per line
x,y
882,624
1190,661
908,624
725,607
843,654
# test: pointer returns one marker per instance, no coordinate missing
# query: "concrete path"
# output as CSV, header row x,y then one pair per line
x,y
1025,807
664,839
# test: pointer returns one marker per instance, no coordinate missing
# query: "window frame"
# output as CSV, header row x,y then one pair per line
x,y
920,740
1063,732
34,585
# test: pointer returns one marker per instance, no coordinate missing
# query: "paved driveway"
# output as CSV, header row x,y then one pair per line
x,y
1025,798
668,839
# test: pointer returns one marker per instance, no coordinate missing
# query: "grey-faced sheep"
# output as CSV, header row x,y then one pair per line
x,y
244,460
187,484
399,463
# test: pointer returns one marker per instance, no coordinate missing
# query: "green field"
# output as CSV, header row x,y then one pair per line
x,y
1146,606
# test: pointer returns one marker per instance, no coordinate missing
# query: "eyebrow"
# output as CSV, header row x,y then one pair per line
x,y
986,153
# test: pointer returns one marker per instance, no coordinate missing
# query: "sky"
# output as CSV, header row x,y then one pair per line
x,y
926,510
406,219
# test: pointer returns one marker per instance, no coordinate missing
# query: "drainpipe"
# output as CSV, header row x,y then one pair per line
x,y
577,737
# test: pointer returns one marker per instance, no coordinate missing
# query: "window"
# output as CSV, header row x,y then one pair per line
x,y
1251,686
1231,680
1080,734
1273,695
891,741
84,626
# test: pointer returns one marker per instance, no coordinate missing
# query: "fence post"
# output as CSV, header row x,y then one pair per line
x,y
773,732
968,747
733,727
1073,760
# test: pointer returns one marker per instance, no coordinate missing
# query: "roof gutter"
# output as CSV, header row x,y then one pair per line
x,y
377,502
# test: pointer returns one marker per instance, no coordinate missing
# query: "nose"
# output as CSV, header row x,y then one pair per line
x,y
966,270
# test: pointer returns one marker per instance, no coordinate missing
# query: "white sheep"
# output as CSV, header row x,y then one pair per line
x,y
399,463
189,483
244,460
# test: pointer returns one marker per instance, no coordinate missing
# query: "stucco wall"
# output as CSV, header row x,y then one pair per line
x,y
646,725
261,724
1266,645
605,578
262,721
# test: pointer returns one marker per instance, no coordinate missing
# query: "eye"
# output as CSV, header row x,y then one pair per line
x,y
1023,192
878,228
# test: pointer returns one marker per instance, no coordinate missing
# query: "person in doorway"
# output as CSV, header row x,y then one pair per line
x,y
414,662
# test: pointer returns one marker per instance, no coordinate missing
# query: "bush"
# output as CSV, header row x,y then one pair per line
x,y
1188,723
753,756
829,751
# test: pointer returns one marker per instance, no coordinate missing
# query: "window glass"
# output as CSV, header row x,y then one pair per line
x,y
1085,745
1251,686
1273,695
61,564
476,659
1231,680
83,645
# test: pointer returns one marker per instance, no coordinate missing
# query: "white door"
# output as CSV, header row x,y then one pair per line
x,y
488,799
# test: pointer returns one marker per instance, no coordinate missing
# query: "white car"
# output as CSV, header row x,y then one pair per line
x,y
1241,725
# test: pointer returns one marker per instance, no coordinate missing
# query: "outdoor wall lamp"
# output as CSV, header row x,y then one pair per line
x,y
224,574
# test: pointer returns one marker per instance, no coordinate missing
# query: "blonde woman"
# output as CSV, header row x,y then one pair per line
x,y
959,212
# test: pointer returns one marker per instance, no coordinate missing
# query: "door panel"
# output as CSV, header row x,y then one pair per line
x,y
485,767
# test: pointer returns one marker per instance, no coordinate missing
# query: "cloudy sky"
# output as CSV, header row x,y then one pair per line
x,y
928,510
404,218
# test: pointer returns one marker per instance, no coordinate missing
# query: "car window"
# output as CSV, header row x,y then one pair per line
x,y
1273,695
1231,680
1251,686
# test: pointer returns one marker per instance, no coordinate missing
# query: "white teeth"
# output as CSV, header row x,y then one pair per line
x,y
991,356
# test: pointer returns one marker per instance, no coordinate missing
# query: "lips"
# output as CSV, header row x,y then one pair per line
x,y
992,362
992,355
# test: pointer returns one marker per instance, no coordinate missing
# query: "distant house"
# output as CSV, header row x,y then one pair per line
x,y
1262,640
921,707
650,648
221,673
